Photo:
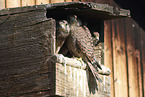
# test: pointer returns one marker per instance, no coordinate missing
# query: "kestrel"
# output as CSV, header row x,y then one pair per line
x,y
80,43
62,33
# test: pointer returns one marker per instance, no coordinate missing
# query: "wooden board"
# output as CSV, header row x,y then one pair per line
x,y
12,3
2,4
119,58
108,51
131,36
90,10
25,40
28,2
56,1
42,2
77,82
143,59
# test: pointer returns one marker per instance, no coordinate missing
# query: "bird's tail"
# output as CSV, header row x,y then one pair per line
x,y
94,71
96,64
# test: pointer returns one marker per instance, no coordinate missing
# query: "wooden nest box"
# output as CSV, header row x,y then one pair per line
x,y
27,42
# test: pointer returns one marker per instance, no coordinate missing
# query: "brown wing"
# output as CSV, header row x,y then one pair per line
x,y
84,42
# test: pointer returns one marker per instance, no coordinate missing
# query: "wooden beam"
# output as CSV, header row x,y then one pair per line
x,y
74,62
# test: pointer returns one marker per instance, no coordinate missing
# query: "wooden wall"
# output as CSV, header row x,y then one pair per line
x,y
124,49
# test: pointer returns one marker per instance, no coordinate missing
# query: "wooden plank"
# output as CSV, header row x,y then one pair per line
x,y
56,1
68,0
42,1
143,58
28,2
75,0
119,58
77,82
12,3
138,57
131,38
27,43
108,51
2,4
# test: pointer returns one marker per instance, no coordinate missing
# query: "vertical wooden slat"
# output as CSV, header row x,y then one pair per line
x,y
42,1
108,51
2,4
28,2
143,60
56,1
138,57
119,59
12,3
131,57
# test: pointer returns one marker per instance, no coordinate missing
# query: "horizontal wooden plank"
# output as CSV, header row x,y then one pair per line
x,y
87,10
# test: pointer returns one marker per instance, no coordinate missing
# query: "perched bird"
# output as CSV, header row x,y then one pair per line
x,y
61,34
80,43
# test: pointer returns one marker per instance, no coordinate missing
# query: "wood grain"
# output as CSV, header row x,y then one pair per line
x,y
119,59
12,3
28,2
108,51
42,2
2,4
25,40
143,59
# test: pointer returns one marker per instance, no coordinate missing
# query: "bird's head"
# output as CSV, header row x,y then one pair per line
x,y
63,27
72,19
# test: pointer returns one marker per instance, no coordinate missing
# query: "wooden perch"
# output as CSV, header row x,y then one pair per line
x,y
74,62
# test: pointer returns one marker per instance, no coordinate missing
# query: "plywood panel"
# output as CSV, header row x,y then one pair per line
x,y
119,58
28,2
109,51
42,1
2,4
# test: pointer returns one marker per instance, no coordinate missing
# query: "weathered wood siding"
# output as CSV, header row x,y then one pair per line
x,y
124,52
24,52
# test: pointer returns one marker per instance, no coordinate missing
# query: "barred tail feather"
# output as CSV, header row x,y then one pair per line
x,y
94,71
97,65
